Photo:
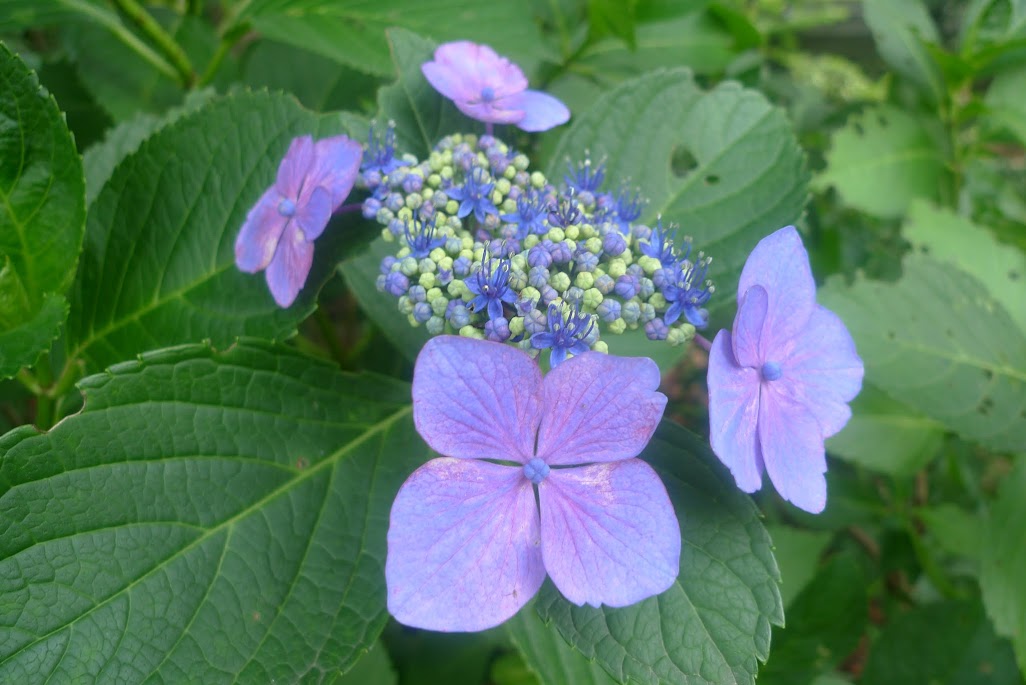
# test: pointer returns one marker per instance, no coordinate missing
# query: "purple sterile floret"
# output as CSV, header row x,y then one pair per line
x,y
659,246
627,209
780,380
490,88
490,284
380,155
585,176
314,179
566,333
474,195
687,291
470,541
565,211
420,237
530,216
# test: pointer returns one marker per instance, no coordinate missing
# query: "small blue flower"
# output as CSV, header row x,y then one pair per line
x,y
566,333
457,314
613,244
497,329
627,209
585,177
420,236
474,195
396,283
688,290
380,155
539,256
609,310
491,285
659,246
422,312
530,215
656,329
565,212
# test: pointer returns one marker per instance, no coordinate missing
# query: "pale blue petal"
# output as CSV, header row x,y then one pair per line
x,y
287,272
734,414
748,327
541,110
258,239
780,264
792,448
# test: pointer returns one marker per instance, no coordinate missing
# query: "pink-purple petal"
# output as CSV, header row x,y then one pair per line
x,y
337,163
287,272
476,399
823,371
294,167
748,327
448,80
792,449
541,110
609,533
314,214
258,239
599,408
780,264
463,546
734,414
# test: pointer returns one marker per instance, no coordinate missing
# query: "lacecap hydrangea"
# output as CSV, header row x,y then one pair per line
x,y
489,249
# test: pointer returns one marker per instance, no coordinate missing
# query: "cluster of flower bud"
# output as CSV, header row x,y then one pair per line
x,y
489,249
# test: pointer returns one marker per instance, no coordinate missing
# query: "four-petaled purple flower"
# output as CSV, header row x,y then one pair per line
x,y
470,540
475,195
421,238
659,246
490,284
490,88
566,332
780,381
313,180
530,216
687,291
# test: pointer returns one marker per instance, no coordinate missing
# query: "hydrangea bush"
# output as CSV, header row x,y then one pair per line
x,y
337,353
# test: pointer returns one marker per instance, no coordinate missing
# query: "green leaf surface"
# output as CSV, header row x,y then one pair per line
x,y
886,436
1006,106
125,138
1003,564
713,625
901,30
938,342
42,214
422,116
797,553
548,657
374,668
948,642
18,15
824,625
211,517
352,33
724,164
881,160
613,18
956,530
158,267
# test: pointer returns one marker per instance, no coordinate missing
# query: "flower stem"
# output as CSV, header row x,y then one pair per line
x,y
703,342
228,41
112,23
161,39
351,207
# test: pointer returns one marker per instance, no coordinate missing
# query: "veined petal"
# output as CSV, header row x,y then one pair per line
x,y
541,110
287,272
448,80
336,167
823,371
258,239
489,112
463,546
314,215
748,327
609,533
734,414
295,166
476,399
599,408
780,264
792,448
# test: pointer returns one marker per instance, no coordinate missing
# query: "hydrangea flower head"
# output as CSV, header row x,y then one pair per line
x,y
781,379
471,540
490,88
313,181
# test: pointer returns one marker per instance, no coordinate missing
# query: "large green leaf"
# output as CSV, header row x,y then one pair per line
x,y
713,625
352,33
881,160
938,342
797,552
901,30
1003,564
1006,107
18,15
42,214
158,266
746,177
551,659
208,517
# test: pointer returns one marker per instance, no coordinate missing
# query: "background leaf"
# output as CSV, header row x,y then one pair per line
x,y
713,625
797,553
217,516
158,266
901,30
42,213
548,657
724,164
938,342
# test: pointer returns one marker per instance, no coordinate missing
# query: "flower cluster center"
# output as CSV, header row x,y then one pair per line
x,y
536,470
771,371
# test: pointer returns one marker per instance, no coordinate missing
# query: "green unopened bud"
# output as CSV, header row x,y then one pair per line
x,y
405,304
496,197
559,281
658,301
599,346
446,173
502,186
427,280
404,214
469,331
435,325
538,179
593,245
618,326
530,293
413,320
435,180
592,297
680,335
433,293
584,281
409,266
521,162
387,236
435,163
451,207
428,193
530,241
384,216
648,264
516,325
519,262
587,231
426,266
508,206
456,288
571,245
445,263
517,279
627,257
555,234
572,232
468,243
509,172
617,268
413,201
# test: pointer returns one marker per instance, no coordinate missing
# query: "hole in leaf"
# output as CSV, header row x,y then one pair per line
x,y
712,179
950,333
882,120
986,404
682,162
891,335
1014,275
988,374
924,249
859,130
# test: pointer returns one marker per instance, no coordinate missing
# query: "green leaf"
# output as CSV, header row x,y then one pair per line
x,y
352,33
158,266
613,18
421,115
887,436
948,642
901,31
549,658
1006,107
824,625
713,625
938,342
956,530
125,138
18,15
947,237
724,164
881,160
797,553
42,214
374,668
208,516
424,657
1004,562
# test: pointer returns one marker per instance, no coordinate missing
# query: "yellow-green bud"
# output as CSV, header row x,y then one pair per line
x,y
649,264
519,262
445,263
531,294
600,346
555,234
438,303
427,193
413,201
386,235
451,207
559,281
617,268
410,267
592,297
587,231
433,293
627,257
413,321
404,214
469,331
571,244
508,206
437,255
502,186
516,325
585,280
426,266
496,197
530,241
403,253
521,162
680,335
435,180
657,300
618,326
593,245
456,288
405,304
538,179
468,243
435,163
509,172
572,232
427,279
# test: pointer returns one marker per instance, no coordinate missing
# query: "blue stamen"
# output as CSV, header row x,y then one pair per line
x,y
287,208
536,470
771,371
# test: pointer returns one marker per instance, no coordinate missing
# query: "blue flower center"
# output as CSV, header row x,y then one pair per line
x,y
487,94
536,470
771,371
287,208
